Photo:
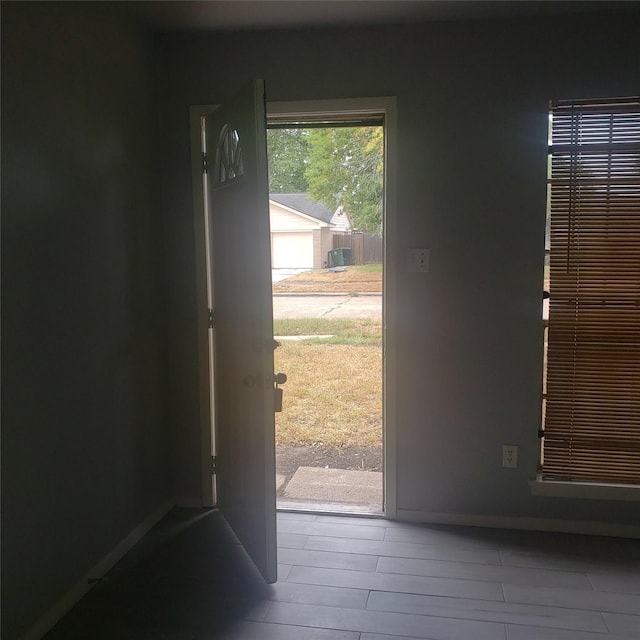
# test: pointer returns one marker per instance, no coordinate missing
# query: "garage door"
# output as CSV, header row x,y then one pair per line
x,y
292,250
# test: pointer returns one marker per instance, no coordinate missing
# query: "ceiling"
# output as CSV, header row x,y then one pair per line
x,y
172,15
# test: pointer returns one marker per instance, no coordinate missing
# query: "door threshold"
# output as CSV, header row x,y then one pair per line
x,y
329,509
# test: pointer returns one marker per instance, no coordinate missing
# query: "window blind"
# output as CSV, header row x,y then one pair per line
x,y
592,408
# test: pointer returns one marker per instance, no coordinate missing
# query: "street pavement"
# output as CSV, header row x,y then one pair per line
x,y
327,306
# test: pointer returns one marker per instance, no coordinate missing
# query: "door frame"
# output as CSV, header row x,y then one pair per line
x,y
197,114
334,109
352,108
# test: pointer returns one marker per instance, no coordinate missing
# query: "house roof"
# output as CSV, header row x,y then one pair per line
x,y
304,204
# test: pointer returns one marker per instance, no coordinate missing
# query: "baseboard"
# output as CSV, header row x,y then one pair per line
x,y
528,524
71,598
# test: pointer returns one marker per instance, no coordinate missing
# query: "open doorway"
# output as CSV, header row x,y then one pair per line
x,y
327,213
326,111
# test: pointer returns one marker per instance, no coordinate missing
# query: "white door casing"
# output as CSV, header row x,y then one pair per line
x,y
331,109
360,109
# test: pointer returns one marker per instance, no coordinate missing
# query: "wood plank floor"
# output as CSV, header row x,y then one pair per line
x,y
364,579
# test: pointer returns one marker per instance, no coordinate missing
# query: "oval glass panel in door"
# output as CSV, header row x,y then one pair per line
x,y
228,164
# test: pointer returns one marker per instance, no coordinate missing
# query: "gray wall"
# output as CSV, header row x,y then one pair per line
x,y
87,397
472,108
84,439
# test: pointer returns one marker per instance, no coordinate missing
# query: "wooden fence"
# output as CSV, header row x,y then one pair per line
x,y
366,248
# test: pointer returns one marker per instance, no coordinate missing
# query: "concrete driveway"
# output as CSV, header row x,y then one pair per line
x,y
282,274
327,306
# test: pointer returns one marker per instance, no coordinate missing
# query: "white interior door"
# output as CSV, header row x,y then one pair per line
x,y
243,323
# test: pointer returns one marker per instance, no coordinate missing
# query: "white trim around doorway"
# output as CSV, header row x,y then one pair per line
x,y
351,108
205,382
335,109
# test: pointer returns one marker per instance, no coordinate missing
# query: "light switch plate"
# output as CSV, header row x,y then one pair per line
x,y
417,260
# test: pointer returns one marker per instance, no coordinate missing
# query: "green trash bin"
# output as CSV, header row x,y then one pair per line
x,y
336,257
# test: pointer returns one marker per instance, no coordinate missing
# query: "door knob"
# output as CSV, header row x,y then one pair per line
x,y
280,378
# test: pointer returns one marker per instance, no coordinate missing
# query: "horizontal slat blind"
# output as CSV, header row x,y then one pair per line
x,y
592,408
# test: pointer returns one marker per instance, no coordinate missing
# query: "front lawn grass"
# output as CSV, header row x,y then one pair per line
x,y
333,395
342,331
374,267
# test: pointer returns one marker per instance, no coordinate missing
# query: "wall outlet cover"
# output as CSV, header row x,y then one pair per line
x,y
510,456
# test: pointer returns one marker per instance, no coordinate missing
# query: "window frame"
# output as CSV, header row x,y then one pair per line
x,y
583,189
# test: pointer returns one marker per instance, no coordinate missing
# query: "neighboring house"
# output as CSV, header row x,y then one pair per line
x,y
302,231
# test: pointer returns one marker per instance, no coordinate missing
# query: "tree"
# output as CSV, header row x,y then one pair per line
x,y
339,166
345,169
288,159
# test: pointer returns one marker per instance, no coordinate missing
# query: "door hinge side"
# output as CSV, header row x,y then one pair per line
x,y
212,465
205,162
212,319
